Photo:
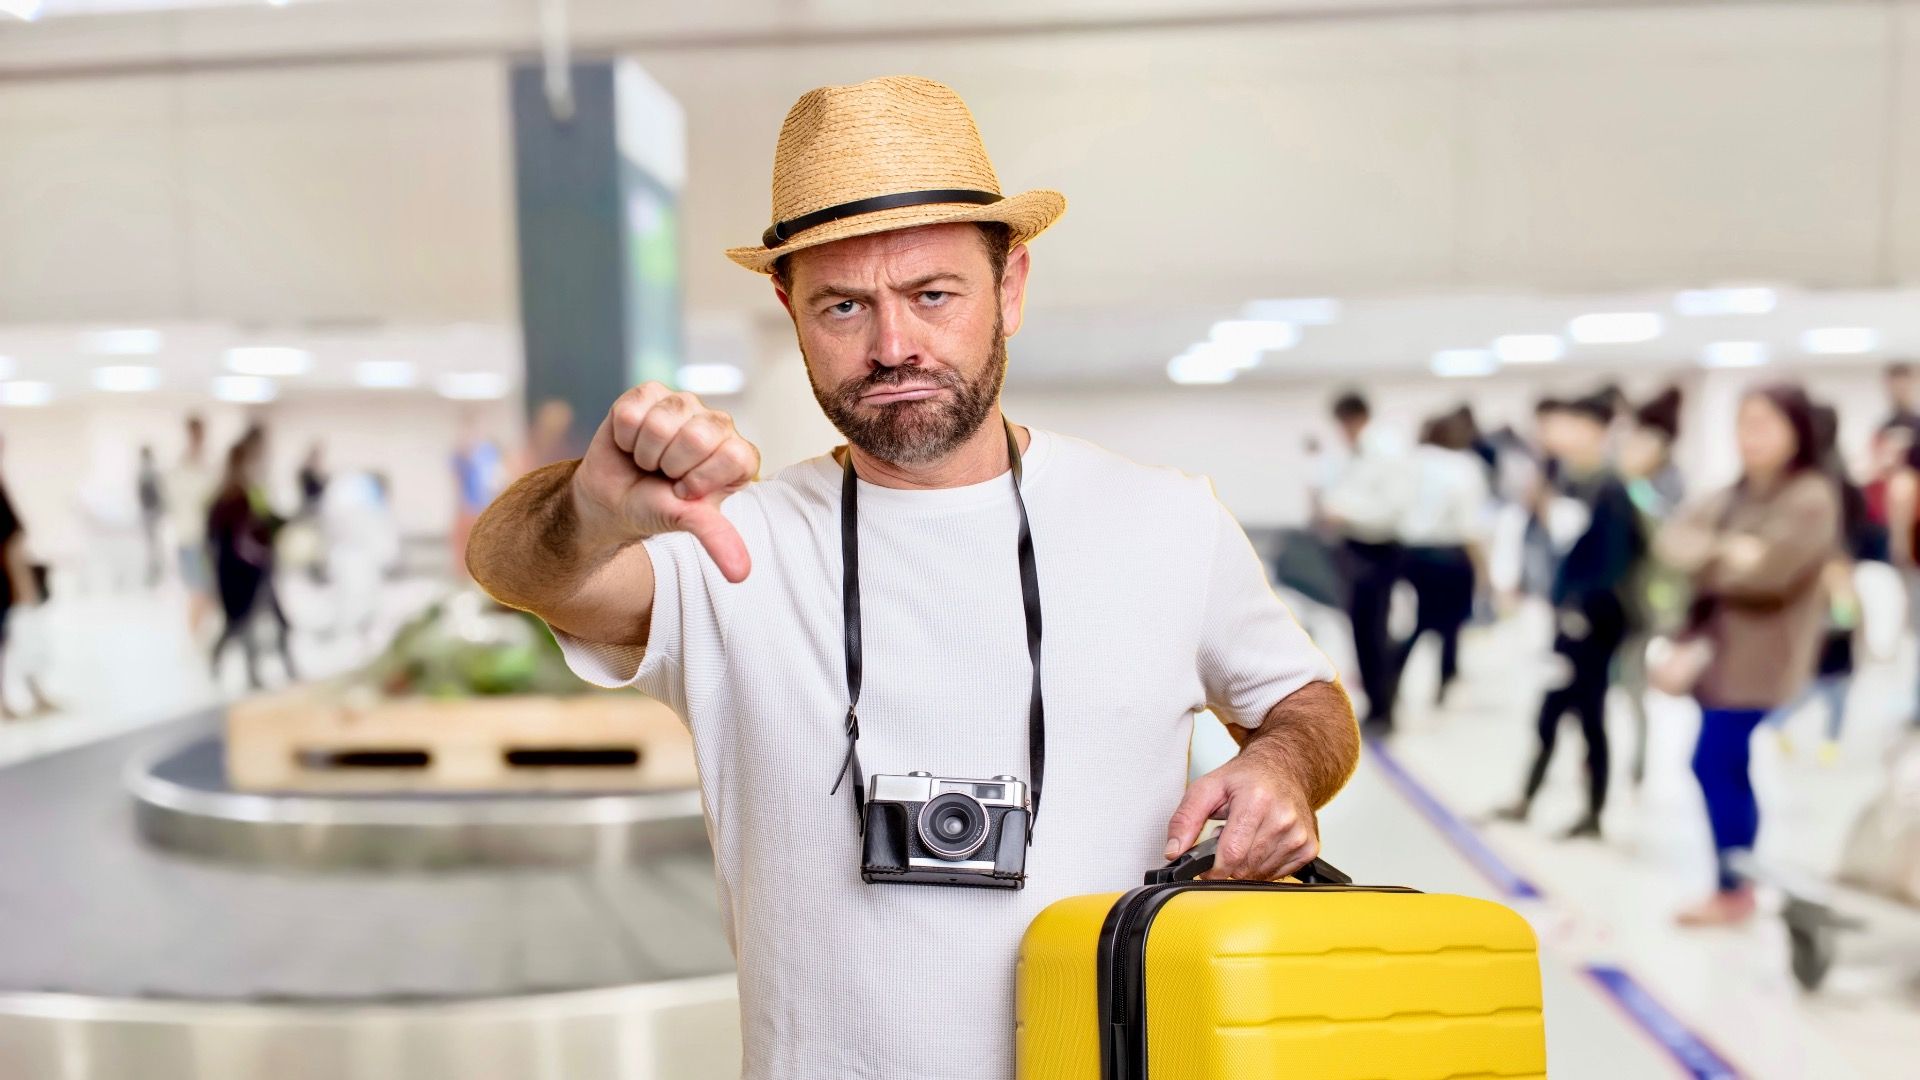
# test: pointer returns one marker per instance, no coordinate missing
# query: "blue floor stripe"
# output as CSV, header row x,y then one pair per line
x,y
1699,1060
1687,1048
1458,833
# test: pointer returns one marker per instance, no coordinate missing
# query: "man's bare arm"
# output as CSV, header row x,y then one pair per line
x,y
564,541
1310,734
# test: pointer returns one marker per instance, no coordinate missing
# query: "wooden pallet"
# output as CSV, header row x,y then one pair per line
x,y
315,740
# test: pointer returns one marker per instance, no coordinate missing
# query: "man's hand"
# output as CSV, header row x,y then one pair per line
x,y
1270,829
661,462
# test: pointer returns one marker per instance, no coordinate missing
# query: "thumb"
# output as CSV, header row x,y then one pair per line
x,y
1203,797
722,541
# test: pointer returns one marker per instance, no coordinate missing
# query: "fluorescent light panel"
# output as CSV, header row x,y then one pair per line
x,y
246,389
25,394
1840,340
269,360
1463,363
1738,300
385,374
1617,327
1255,335
126,378
711,378
129,342
1734,354
471,385
1529,348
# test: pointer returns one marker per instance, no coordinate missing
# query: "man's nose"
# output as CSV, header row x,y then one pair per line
x,y
895,344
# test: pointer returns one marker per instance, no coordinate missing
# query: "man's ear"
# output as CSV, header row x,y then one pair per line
x,y
781,292
1013,289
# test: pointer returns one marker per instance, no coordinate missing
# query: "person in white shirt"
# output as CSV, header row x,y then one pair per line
x,y
1365,504
188,491
1441,533
661,562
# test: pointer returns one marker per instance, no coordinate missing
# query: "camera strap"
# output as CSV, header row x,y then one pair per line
x,y
850,613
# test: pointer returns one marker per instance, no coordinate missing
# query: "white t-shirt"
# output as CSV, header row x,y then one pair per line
x,y
1154,606
1447,504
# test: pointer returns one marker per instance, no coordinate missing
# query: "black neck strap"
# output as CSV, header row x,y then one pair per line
x,y
850,613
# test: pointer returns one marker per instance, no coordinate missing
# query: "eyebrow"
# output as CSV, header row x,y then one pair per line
x,y
824,292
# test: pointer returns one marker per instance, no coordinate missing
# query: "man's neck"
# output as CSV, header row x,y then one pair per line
x,y
981,458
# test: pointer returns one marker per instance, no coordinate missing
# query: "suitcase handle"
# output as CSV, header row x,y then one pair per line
x,y
1199,859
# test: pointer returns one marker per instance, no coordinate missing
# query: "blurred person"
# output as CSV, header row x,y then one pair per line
x,y
1903,398
1833,668
1440,534
663,562
19,594
1589,613
549,437
1364,505
1755,554
478,473
1886,458
152,512
241,531
361,544
188,491
1656,594
313,479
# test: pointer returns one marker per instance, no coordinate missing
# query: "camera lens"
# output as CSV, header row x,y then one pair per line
x,y
952,826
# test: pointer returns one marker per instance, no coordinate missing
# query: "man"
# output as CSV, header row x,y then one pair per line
x,y
188,493
1589,584
1365,506
661,563
1900,396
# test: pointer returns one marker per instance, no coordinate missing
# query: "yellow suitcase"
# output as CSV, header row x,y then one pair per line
x,y
1317,977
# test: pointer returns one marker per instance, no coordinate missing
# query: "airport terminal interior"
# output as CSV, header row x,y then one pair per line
x,y
291,290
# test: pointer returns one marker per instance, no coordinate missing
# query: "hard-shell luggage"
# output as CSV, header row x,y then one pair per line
x,y
1208,980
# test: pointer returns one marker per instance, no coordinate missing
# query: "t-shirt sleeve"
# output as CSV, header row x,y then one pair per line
x,y
684,611
1253,652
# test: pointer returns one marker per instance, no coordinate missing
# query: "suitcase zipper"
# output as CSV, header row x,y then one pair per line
x,y
1120,964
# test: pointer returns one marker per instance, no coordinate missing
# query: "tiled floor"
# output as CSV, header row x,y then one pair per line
x,y
124,660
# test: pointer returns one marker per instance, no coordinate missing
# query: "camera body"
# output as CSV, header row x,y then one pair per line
x,y
922,829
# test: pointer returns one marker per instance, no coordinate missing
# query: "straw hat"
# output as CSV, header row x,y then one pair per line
x,y
888,153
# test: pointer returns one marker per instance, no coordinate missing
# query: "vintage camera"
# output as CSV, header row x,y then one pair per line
x,y
922,829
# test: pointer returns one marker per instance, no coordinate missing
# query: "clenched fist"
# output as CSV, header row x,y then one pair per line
x,y
661,462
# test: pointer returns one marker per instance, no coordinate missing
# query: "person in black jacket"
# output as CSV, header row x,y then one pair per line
x,y
1590,617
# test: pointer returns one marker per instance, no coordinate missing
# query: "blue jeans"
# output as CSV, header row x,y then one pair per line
x,y
1720,763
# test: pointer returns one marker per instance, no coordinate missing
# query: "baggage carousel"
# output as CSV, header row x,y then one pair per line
x,y
154,924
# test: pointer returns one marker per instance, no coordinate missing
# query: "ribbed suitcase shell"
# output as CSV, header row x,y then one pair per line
x,y
1301,982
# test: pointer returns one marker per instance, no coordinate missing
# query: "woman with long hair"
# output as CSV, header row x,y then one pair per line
x,y
1754,554
241,538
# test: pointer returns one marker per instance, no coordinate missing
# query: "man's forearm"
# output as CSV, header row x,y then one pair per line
x,y
1310,736
530,551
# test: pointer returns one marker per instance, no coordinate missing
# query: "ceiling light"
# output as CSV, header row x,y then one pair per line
x,y
249,389
1463,363
384,374
122,342
25,394
1529,348
1209,363
1746,300
471,385
126,378
1617,328
1734,354
1310,312
269,360
711,378
1255,335
1840,340
24,10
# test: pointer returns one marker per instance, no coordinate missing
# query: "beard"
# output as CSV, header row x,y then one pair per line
x,y
915,433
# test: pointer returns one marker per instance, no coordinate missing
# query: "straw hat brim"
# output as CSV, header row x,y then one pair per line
x,y
1028,214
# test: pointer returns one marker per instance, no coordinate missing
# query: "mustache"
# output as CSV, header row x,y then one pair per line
x,y
898,378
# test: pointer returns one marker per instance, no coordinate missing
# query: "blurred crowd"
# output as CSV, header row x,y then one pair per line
x,y
1751,599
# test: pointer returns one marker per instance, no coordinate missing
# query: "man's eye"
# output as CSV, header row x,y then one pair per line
x,y
934,297
845,307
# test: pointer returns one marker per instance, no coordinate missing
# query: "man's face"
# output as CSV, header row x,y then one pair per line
x,y
904,335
